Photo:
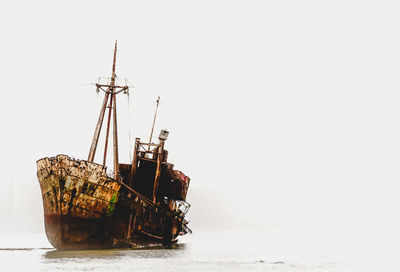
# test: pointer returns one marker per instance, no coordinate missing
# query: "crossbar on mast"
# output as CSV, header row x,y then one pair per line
x,y
112,90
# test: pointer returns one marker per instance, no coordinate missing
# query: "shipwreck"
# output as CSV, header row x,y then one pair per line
x,y
141,203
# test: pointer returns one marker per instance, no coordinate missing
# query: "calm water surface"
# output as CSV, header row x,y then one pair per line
x,y
214,251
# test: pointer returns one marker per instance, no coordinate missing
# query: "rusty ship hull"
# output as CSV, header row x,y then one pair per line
x,y
84,208
141,203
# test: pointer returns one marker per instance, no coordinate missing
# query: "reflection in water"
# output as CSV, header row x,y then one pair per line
x,y
143,259
147,252
150,259
56,255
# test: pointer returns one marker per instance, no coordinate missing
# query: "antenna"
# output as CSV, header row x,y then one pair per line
x,y
154,121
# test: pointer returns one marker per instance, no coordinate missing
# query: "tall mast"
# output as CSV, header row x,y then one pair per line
x,y
96,135
110,105
154,121
111,92
115,133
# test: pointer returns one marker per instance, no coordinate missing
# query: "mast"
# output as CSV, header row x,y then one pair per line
x,y
96,135
110,105
154,121
111,92
115,133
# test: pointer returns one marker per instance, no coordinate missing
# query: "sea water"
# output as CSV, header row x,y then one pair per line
x,y
221,250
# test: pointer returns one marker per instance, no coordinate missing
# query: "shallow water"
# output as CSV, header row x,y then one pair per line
x,y
210,251
178,259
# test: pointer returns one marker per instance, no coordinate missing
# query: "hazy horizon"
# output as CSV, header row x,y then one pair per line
x,y
284,113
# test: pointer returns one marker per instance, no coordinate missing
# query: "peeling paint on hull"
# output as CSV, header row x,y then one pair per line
x,y
86,209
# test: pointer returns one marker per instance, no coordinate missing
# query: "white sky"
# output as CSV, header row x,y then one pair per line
x,y
283,113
